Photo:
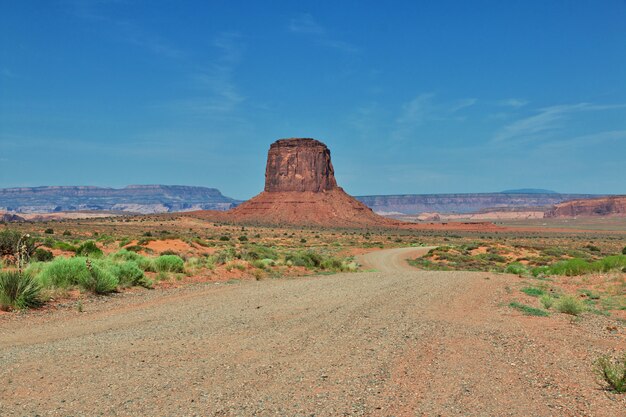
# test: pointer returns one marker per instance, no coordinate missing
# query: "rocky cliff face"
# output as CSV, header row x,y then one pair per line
x,y
299,165
606,206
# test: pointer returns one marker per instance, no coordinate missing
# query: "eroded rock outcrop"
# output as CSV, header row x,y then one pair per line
x,y
299,165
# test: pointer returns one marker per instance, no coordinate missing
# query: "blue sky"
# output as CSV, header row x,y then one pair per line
x,y
411,97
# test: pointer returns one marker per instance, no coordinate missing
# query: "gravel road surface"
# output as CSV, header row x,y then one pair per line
x,y
393,342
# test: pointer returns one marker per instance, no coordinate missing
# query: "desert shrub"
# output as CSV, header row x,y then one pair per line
x,y
533,292
540,271
528,310
67,233
224,238
332,264
42,255
145,263
10,239
64,246
77,272
225,255
610,263
546,300
570,267
169,252
516,268
255,252
307,259
100,280
169,263
569,304
89,249
18,290
49,231
243,238
129,274
612,372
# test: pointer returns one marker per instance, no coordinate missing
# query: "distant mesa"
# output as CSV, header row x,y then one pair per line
x,y
144,199
613,206
528,191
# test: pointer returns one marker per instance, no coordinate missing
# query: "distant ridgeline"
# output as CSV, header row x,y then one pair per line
x,y
467,203
143,199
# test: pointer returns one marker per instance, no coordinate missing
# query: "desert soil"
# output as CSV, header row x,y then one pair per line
x,y
391,342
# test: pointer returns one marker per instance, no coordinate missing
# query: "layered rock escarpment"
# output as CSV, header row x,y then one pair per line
x,y
606,206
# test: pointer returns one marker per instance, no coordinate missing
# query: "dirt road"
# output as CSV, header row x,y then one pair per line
x,y
397,342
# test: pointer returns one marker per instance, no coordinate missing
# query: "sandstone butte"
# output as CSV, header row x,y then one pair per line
x,y
301,190
614,206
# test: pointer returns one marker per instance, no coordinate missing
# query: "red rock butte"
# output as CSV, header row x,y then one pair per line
x,y
301,190
299,165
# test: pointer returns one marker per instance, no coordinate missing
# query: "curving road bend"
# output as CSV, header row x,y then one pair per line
x,y
395,342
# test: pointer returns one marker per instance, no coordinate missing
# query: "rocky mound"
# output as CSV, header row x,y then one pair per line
x,y
606,206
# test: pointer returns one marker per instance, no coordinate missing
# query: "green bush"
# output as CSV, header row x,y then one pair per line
x,y
100,280
18,290
569,304
225,255
89,249
64,246
145,263
129,274
612,372
516,268
332,264
42,255
169,263
624,251
255,252
243,238
528,310
546,300
610,263
533,292
77,272
570,267
49,231
307,259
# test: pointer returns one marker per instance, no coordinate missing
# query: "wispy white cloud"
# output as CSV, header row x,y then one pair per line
x,y
512,102
423,108
123,30
306,25
593,139
545,122
216,92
